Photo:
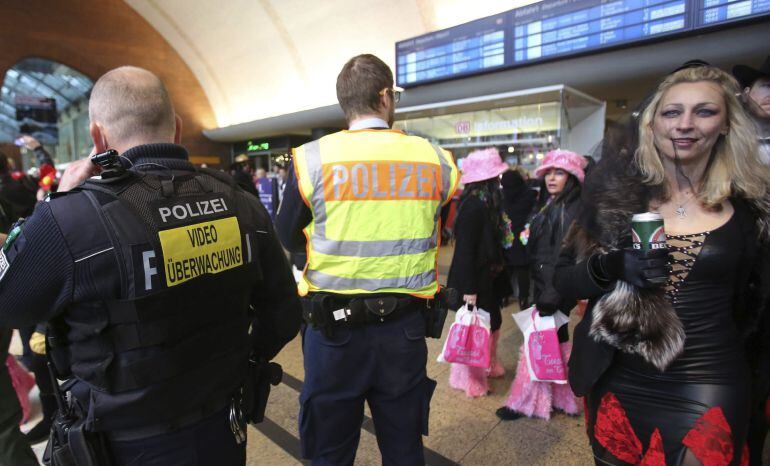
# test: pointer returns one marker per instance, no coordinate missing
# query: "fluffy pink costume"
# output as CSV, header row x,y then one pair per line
x,y
473,380
22,383
496,369
536,399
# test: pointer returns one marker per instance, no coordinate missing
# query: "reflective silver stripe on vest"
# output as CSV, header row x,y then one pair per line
x,y
321,244
315,171
333,282
446,173
374,248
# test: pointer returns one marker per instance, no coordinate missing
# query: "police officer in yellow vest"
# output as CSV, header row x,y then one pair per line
x,y
366,203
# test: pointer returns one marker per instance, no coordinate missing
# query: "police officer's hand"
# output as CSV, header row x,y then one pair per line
x,y
77,172
643,269
2,238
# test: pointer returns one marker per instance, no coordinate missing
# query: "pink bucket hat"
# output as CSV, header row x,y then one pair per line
x,y
482,165
564,159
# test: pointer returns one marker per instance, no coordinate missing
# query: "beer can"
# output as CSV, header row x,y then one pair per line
x,y
647,231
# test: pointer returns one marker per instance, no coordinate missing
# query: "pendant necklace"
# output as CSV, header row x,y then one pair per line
x,y
681,212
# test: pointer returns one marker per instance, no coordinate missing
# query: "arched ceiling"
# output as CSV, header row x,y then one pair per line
x,y
261,58
95,36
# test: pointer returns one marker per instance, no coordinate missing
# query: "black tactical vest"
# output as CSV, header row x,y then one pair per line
x,y
165,342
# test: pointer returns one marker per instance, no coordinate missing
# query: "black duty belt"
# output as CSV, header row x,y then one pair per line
x,y
325,310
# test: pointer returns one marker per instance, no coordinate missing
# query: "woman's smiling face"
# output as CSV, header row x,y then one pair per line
x,y
689,120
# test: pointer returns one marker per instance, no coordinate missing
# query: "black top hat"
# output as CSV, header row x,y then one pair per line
x,y
696,63
746,75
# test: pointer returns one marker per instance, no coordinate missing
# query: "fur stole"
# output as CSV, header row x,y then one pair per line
x,y
634,320
637,321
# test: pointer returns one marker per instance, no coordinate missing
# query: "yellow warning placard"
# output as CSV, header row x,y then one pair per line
x,y
194,250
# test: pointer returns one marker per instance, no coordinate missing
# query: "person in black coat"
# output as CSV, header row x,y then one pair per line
x,y
562,175
241,172
673,343
478,269
17,189
518,202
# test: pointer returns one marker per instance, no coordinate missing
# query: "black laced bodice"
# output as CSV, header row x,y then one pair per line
x,y
683,251
701,288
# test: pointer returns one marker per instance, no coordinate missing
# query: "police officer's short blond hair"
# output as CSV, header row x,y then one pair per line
x,y
132,102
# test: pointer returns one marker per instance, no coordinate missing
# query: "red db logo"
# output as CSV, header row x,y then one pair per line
x,y
463,127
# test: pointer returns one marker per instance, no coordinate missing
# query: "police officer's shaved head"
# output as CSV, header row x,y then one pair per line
x,y
132,103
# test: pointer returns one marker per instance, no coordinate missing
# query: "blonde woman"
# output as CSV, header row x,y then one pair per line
x,y
659,354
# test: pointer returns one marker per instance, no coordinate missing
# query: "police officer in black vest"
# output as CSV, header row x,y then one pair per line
x,y
159,282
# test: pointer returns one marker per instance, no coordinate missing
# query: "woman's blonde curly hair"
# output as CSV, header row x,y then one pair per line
x,y
736,169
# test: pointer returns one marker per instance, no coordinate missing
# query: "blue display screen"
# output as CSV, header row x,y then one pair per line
x,y
721,11
464,49
555,28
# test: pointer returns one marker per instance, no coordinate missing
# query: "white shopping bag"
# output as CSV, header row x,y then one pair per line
x,y
467,341
541,345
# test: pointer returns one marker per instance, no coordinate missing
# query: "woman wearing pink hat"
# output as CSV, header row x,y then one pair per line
x,y
562,176
477,272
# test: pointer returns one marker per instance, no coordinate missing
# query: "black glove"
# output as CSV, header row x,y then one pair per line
x,y
643,269
548,303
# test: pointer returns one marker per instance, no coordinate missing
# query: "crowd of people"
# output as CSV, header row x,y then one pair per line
x,y
671,355
269,189
154,279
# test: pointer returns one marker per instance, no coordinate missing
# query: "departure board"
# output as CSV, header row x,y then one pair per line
x,y
547,32
468,48
556,28
722,11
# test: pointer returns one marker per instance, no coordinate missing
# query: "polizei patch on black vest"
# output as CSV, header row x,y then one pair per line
x,y
198,235
185,210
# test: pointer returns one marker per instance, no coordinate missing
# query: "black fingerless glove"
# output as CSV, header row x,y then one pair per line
x,y
643,269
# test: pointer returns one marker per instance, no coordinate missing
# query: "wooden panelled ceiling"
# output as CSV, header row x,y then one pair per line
x,y
94,36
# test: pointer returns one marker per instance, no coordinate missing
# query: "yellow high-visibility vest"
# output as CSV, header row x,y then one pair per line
x,y
376,198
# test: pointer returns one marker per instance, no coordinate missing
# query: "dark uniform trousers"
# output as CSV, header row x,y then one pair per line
x,y
207,442
382,364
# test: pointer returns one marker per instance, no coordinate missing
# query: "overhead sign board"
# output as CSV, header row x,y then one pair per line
x,y
557,28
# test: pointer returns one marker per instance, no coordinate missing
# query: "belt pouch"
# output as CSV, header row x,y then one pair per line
x,y
88,449
435,318
381,307
319,314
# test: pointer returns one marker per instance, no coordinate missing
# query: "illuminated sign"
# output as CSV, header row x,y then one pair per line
x,y
257,146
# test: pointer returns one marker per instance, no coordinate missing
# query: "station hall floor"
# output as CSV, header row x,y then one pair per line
x,y
462,430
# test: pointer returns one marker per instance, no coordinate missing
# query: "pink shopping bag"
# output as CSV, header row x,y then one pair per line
x,y
545,359
468,339
22,383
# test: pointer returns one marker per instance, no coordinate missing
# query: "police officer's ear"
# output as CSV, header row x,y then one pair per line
x,y
385,102
99,137
177,129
